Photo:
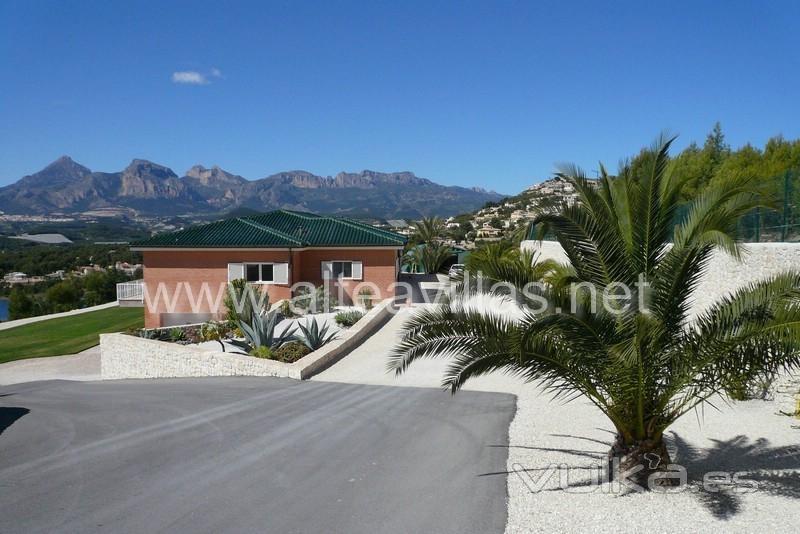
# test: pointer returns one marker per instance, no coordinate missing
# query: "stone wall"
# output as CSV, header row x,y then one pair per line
x,y
724,274
125,356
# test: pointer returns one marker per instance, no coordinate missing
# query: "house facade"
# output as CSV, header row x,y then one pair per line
x,y
187,272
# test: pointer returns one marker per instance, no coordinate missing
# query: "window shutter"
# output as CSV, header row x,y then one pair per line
x,y
327,270
357,270
235,271
280,273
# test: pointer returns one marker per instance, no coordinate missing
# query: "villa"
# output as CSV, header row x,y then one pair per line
x,y
275,250
489,232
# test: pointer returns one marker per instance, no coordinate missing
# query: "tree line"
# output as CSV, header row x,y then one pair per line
x,y
715,160
55,295
74,292
39,260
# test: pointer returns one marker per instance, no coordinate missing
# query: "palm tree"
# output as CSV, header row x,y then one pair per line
x,y
429,257
645,362
428,230
500,261
490,251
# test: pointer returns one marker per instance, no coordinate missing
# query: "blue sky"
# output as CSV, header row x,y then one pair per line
x,y
492,94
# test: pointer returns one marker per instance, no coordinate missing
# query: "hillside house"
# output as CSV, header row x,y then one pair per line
x,y
274,251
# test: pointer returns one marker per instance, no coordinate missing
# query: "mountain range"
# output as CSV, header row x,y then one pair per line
x,y
65,186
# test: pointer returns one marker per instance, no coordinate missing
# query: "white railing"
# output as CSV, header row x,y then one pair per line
x,y
133,290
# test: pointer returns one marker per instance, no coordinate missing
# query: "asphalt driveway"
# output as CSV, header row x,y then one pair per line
x,y
250,454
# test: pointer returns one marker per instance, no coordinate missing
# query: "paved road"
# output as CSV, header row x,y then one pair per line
x,y
250,454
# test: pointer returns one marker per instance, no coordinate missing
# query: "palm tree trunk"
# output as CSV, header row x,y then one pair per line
x,y
641,463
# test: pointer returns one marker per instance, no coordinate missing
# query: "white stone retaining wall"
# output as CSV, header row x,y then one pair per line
x,y
724,274
125,356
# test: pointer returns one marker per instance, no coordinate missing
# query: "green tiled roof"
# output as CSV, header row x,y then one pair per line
x,y
276,229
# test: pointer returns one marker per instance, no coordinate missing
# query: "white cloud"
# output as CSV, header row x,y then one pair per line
x,y
190,77
193,77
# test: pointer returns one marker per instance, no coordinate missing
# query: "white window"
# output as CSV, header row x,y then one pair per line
x,y
345,269
235,271
260,273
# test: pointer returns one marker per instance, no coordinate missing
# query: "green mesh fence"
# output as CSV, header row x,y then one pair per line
x,y
780,219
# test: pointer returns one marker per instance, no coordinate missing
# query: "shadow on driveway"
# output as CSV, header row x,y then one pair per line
x,y
8,416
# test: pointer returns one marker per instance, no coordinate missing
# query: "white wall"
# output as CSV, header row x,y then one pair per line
x,y
724,274
124,356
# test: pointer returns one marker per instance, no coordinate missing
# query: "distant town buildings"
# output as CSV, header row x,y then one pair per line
x,y
35,218
489,232
128,268
496,221
19,278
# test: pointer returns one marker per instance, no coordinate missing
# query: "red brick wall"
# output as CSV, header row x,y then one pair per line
x,y
193,268
379,267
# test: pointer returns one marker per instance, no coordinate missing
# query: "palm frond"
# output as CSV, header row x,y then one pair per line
x,y
648,362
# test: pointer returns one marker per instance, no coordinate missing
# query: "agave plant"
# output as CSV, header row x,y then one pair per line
x,y
645,362
315,337
259,332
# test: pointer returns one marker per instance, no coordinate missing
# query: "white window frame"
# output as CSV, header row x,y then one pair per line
x,y
351,262
259,263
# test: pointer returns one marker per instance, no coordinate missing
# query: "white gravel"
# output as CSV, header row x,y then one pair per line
x,y
745,437
748,437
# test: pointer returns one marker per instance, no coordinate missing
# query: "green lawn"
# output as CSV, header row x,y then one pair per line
x,y
65,335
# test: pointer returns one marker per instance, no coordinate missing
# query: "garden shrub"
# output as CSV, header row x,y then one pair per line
x,y
365,296
211,331
286,309
249,296
262,352
176,334
291,352
348,318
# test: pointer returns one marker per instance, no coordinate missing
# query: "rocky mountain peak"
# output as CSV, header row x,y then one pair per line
x,y
197,171
67,164
147,180
213,176
154,189
368,179
60,172
142,168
